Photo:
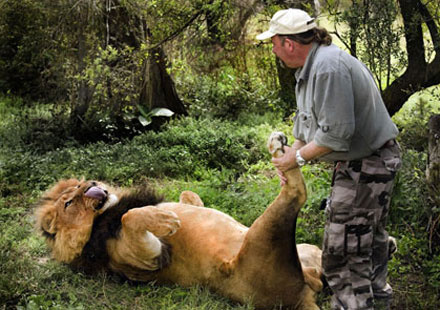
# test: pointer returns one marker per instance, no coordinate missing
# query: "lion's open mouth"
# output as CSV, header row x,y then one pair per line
x,y
97,193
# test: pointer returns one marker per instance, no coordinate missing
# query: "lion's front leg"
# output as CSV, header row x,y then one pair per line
x,y
138,244
160,222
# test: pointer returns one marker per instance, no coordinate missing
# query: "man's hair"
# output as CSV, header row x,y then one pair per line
x,y
319,35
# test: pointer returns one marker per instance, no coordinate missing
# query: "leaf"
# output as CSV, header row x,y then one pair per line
x,y
143,111
144,121
162,112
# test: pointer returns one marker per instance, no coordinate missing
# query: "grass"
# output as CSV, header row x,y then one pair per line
x,y
226,163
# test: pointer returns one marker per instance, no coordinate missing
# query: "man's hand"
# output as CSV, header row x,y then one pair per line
x,y
283,179
287,161
284,163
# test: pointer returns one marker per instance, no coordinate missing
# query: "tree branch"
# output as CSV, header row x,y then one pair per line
x,y
429,20
178,31
336,33
413,34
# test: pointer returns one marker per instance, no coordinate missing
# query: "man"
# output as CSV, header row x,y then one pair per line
x,y
341,118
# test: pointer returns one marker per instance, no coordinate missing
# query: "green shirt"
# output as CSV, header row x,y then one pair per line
x,y
340,106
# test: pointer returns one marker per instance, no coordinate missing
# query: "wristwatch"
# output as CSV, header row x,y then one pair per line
x,y
299,159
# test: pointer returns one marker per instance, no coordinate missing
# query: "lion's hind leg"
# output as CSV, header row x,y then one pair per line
x,y
312,277
191,198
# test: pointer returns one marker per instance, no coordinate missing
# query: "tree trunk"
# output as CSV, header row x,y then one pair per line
x,y
158,90
433,177
433,167
82,102
419,74
286,78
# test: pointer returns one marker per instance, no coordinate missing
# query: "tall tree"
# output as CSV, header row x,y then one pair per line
x,y
420,72
80,103
375,34
433,177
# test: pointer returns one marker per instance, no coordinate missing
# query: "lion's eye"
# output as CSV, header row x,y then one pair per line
x,y
68,203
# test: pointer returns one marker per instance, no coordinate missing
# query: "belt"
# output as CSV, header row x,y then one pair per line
x,y
387,144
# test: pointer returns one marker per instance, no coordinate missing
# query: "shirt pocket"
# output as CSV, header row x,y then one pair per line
x,y
305,118
304,125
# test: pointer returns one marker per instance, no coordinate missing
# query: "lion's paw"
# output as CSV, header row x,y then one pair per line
x,y
167,223
160,222
276,143
392,246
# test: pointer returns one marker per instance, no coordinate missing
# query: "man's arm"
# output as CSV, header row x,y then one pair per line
x,y
312,151
308,151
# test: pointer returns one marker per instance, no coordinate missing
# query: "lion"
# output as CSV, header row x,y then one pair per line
x,y
92,227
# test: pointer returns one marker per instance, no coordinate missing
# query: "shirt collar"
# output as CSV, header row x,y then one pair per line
x,y
304,72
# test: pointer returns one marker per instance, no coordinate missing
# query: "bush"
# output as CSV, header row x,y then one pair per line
x,y
186,148
28,50
39,128
226,95
412,123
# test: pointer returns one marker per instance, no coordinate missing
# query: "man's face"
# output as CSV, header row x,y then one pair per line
x,y
279,49
286,52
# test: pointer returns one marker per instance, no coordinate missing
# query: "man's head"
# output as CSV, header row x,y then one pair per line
x,y
292,32
286,22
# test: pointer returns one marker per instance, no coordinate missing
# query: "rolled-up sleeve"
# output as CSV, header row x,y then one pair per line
x,y
334,108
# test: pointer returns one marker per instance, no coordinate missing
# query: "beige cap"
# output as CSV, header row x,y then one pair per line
x,y
290,21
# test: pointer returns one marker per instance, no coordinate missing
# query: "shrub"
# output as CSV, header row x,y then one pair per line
x,y
227,94
412,123
39,128
186,148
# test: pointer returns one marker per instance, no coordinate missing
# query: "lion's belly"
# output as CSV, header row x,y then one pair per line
x,y
206,239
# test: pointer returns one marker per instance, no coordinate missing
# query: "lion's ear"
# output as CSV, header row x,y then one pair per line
x,y
47,221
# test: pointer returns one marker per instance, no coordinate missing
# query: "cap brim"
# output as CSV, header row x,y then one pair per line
x,y
265,35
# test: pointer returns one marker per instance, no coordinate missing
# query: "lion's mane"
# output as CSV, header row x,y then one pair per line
x,y
95,257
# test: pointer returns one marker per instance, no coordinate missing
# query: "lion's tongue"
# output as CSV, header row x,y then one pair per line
x,y
96,193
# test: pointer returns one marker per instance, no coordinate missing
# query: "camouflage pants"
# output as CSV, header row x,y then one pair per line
x,y
355,247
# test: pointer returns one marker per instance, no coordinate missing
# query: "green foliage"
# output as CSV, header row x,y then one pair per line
x,y
373,36
226,95
111,72
186,148
146,117
23,38
413,120
40,127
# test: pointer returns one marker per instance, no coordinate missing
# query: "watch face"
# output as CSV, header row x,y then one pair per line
x,y
299,160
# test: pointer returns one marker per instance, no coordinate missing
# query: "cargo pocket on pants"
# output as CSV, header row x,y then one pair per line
x,y
352,235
